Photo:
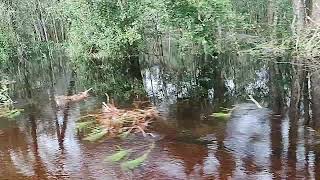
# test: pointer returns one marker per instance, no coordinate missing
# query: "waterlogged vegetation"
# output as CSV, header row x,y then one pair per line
x,y
169,89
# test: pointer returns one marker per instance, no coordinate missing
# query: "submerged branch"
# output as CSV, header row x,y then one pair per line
x,y
254,101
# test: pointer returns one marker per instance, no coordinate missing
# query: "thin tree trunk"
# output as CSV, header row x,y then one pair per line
x,y
55,29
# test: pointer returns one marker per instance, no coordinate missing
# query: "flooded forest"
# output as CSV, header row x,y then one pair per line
x,y
159,89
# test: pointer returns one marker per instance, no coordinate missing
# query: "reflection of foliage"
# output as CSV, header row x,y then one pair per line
x,y
6,104
5,99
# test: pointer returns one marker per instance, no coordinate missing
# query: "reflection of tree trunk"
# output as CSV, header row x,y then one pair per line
x,y
61,131
306,98
38,167
226,160
276,146
308,148
276,94
317,163
292,149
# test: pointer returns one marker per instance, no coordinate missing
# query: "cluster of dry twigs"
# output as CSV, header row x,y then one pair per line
x,y
114,121
126,121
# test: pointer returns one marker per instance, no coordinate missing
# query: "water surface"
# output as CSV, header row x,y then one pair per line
x,y
189,144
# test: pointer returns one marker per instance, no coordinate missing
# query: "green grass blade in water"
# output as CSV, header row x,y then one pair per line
x,y
118,156
130,165
221,115
96,136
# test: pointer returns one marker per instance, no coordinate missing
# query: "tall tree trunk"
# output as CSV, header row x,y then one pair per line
x,y
298,25
275,76
315,78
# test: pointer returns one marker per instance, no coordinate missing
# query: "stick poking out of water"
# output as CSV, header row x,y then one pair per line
x,y
256,102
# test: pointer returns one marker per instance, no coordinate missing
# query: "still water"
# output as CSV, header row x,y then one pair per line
x,y
189,144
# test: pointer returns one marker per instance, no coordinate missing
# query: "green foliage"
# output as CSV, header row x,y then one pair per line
x,y
7,36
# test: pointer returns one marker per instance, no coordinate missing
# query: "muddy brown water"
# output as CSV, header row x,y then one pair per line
x,y
189,144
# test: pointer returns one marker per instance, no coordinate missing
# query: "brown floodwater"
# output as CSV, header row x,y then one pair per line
x,y
189,144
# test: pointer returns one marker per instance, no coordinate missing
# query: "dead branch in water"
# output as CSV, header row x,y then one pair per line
x,y
63,100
